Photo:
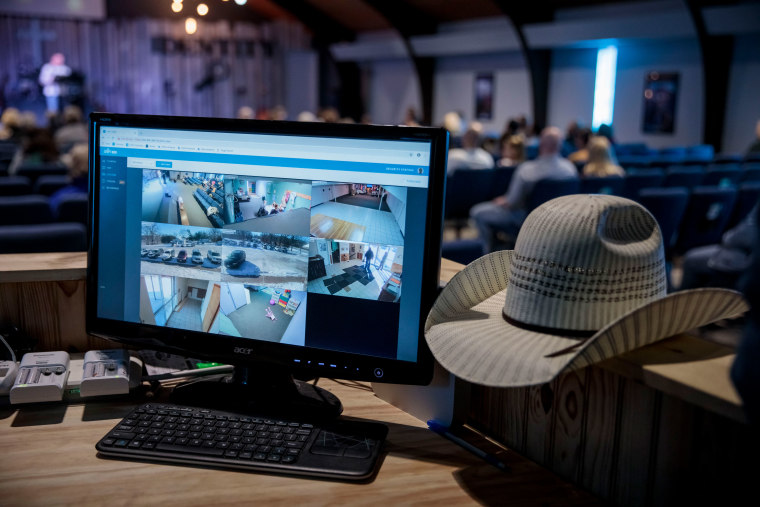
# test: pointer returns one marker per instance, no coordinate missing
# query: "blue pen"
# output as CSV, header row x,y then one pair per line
x,y
444,432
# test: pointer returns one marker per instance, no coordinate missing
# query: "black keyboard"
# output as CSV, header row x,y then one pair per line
x,y
337,449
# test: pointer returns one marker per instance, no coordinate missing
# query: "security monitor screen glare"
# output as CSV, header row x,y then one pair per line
x,y
314,242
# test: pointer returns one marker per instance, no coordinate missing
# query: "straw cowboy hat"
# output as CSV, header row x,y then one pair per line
x,y
585,282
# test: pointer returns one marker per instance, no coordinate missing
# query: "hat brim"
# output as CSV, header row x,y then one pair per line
x,y
468,335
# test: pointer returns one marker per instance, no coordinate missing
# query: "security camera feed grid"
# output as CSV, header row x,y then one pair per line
x,y
226,201
272,260
174,250
262,313
358,212
358,270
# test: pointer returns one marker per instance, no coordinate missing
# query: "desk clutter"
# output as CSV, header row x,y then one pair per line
x,y
48,376
338,449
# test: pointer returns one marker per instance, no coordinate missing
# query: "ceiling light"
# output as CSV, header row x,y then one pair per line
x,y
202,9
191,25
176,6
240,2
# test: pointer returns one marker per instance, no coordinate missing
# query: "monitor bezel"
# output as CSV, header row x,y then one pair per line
x,y
248,352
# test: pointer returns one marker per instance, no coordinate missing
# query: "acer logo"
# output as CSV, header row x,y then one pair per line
x,y
242,350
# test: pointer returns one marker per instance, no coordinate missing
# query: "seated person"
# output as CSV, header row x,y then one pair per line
x,y
512,151
73,131
275,209
600,162
580,140
722,265
506,213
470,155
76,160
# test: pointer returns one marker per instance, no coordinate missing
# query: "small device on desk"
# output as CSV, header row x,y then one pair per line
x,y
105,372
41,377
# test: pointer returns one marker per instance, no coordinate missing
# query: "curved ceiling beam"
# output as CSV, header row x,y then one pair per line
x,y
717,55
408,22
538,60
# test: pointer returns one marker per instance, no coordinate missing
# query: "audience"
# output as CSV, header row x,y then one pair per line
x,y
512,151
507,213
73,131
580,142
10,125
37,147
77,162
600,163
722,265
470,155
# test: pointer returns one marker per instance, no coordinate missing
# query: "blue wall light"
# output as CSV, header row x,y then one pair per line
x,y
604,88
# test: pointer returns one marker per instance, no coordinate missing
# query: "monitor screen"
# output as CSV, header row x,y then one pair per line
x,y
310,246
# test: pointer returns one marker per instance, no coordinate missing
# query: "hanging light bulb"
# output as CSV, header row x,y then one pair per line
x,y
202,9
240,2
176,6
191,25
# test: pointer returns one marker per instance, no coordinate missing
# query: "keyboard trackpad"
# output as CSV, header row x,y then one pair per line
x,y
329,443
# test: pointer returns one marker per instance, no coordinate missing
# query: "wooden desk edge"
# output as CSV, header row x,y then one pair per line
x,y
43,267
51,267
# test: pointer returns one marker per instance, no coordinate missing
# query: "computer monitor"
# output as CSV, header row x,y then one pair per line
x,y
283,248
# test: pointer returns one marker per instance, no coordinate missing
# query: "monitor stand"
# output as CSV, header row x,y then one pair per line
x,y
262,390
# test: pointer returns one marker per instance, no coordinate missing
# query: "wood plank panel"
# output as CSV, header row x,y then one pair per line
x,y
634,445
599,430
539,423
569,412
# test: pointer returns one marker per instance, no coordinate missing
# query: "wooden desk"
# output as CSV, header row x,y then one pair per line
x,y
49,458
641,428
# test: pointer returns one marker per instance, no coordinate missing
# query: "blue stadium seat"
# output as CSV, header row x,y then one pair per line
x,y
48,184
34,171
611,185
725,176
15,185
749,193
683,177
64,237
502,176
25,209
700,153
706,217
727,158
634,181
462,250
668,206
73,208
464,189
750,174
546,190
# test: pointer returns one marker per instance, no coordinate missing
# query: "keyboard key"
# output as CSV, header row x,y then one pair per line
x,y
260,456
207,451
289,458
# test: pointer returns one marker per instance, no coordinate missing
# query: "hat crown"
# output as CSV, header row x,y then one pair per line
x,y
581,261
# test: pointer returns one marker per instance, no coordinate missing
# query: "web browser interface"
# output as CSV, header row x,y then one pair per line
x,y
298,240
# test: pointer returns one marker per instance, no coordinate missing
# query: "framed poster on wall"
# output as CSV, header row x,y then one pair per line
x,y
484,96
660,99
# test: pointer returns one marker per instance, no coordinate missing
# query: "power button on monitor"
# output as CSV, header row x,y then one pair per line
x,y
379,372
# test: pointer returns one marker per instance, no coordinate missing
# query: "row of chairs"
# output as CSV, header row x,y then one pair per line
x,y
206,203
35,209
22,185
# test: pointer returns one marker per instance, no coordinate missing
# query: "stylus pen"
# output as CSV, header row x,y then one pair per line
x,y
444,431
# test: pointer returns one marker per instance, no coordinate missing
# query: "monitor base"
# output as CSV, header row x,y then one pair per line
x,y
259,391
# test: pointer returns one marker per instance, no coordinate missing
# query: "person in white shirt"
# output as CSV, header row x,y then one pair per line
x,y
55,68
507,212
470,155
